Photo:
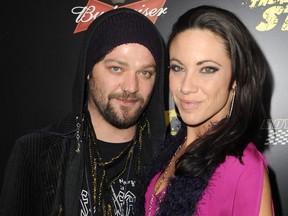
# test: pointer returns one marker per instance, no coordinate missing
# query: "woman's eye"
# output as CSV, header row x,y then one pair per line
x,y
209,70
176,68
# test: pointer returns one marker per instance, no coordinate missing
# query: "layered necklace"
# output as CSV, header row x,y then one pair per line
x,y
99,168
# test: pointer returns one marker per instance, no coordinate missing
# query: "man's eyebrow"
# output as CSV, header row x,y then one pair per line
x,y
125,64
150,66
115,61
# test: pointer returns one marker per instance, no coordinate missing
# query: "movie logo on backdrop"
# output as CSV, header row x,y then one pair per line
x,y
94,8
274,10
277,129
275,17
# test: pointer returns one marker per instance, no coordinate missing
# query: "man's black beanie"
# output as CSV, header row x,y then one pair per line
x,y
121,26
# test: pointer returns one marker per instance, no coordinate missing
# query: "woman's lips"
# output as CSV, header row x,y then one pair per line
x,y
190,104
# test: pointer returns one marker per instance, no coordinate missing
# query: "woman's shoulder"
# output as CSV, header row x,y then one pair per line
x,y
243,176
253,156
236,183
246,172
252,159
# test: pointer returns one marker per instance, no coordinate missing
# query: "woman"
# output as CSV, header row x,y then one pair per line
x,y
212,165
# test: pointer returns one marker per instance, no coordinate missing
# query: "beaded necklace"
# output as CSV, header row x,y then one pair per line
x,y
97,164
99,167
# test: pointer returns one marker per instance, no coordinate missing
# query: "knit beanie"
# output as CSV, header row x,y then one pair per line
x,y
121,26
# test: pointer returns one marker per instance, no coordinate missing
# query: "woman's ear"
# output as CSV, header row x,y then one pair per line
x,y
234,84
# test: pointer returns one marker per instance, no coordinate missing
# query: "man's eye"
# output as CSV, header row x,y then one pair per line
x,y
147,74
209,70
176,68
116,69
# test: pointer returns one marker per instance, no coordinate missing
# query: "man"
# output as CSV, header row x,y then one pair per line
x,y
88,163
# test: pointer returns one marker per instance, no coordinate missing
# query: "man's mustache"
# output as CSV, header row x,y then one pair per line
x,y
126,96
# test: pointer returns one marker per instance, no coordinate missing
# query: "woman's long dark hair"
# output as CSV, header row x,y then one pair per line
x,y
232,134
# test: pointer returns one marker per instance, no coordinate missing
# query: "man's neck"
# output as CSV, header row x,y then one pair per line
x,y
107,132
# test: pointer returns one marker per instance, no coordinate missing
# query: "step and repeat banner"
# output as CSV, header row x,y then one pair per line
x,y
40,43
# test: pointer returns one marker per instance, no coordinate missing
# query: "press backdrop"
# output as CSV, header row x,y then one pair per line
x,y
40,43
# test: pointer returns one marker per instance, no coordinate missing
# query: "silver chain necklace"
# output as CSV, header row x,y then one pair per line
x,y
164,176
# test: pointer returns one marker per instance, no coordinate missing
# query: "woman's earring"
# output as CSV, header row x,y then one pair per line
x,y
232,102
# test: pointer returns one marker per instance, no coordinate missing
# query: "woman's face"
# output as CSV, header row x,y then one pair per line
x,y
200,74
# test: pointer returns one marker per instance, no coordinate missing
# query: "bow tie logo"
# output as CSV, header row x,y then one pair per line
x,y
94,8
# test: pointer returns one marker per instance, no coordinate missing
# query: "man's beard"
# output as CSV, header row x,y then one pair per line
x,y
109,113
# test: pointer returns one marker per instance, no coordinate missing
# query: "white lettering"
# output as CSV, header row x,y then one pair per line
x,y
86,14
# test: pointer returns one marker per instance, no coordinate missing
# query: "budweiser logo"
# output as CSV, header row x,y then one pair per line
x,y
94,8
